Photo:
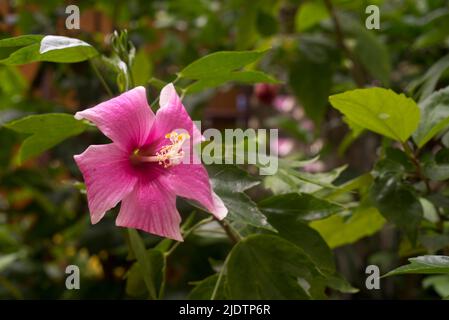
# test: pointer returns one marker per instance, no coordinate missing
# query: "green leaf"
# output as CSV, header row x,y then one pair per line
x,y
230,182
380,110
301,206
373,54
269,267
231,178
429,80
14,86
429,211
146,268
21,41
310,14
398,204
218,63
65,50
287,180
245,77
439,283
135,284
246,25
23,55
46,131
338,283
436,172
135,281
311,82
280,183
434,116
423,265
338,231
396,161
359,183
141,69
243,210
49,48
203,289
293,229
312,182
437,167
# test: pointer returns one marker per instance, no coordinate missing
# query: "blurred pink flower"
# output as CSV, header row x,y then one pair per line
x,y
143,167
284,103
284,146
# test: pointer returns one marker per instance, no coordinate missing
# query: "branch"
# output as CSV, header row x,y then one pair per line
x,y
234,238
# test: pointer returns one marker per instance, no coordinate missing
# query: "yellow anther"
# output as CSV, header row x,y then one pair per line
x,y
170,154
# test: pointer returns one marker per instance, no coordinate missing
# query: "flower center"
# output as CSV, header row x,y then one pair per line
x,y
170,154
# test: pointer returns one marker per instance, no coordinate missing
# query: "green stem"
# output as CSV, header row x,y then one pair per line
x,y
100,77
220,276
176,79
154,102
234,236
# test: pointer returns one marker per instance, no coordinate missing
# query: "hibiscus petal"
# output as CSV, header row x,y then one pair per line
x,y
220,210
191,181
172,116
152,208
126,119
108,176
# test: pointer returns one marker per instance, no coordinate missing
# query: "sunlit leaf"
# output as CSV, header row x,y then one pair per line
x,y
48,48
338,231
380,110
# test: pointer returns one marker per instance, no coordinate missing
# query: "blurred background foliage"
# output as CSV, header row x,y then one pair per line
x,y
318,48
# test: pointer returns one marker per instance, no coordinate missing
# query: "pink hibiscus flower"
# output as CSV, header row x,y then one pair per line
x,y
144,166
